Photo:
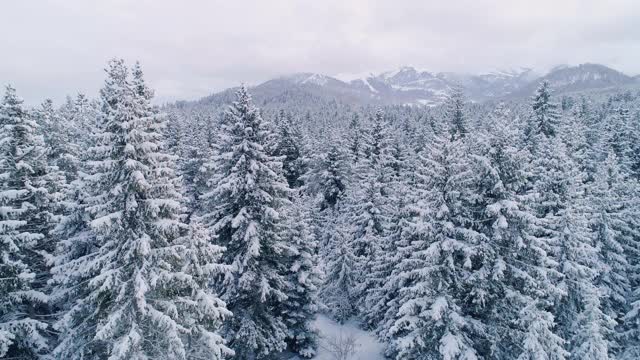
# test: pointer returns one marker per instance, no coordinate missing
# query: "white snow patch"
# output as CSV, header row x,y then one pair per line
x,y
316,79
366,82
368,347
348,77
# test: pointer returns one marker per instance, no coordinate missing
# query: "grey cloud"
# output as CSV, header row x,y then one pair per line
x,y
51,48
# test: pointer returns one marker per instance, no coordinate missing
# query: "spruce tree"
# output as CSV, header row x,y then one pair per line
x,y
430,321
609,197
545,114
59,137
382,301
25,222
561,219
302,304
368,227
338,291
540,342
355,139
132,279
289,146
201,310
328,176
523,275
455,114
245,212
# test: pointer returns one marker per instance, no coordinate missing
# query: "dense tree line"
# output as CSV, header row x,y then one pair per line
x,y
210,231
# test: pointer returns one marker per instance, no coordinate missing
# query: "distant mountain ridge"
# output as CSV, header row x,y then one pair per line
x,y
582,77
409,86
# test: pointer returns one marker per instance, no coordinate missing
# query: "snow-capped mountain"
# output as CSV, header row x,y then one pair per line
x,y
581,77
406,86
410,86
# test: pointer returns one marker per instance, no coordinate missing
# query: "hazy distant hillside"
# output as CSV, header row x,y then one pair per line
x,y
580,78
409,86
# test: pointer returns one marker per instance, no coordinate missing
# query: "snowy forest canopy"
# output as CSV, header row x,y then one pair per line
x,y
220,231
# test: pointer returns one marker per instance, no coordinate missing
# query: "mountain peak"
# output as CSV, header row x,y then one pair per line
x,y
401,71
409,86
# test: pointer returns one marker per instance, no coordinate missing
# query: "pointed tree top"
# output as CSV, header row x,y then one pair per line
x,y
139,83
243,94
543,92
10,96
544,110
116,66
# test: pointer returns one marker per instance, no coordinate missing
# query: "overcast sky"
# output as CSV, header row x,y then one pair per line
x,y
190,48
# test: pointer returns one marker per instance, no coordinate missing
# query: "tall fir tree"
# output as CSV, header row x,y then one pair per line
x,y
338,291
329,176
134,286
399,217
455,114
368,227
609,198
302,304
355,139
25,222
431,322
383,300
545,116
58,133
558,202
523,274
289,146
246,214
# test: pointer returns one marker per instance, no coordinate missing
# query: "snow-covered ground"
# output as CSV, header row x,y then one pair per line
x,y
367,346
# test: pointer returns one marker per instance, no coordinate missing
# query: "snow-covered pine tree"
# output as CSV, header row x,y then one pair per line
x,y
130,288
202,311
338,291
631,334
246,214
398,207
355,139
379,141
302,304
61,155
616,221
85,120
24,225
562,214
545,114
290,147
595,145
382,302
75,249
455,114
197,168
623,136
591,341
574,135
195,156
58,134
540,341
630,338
328,176
430,321
579,312
558,201
369,205
140,87
401,163
609,199
521,279
368,212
